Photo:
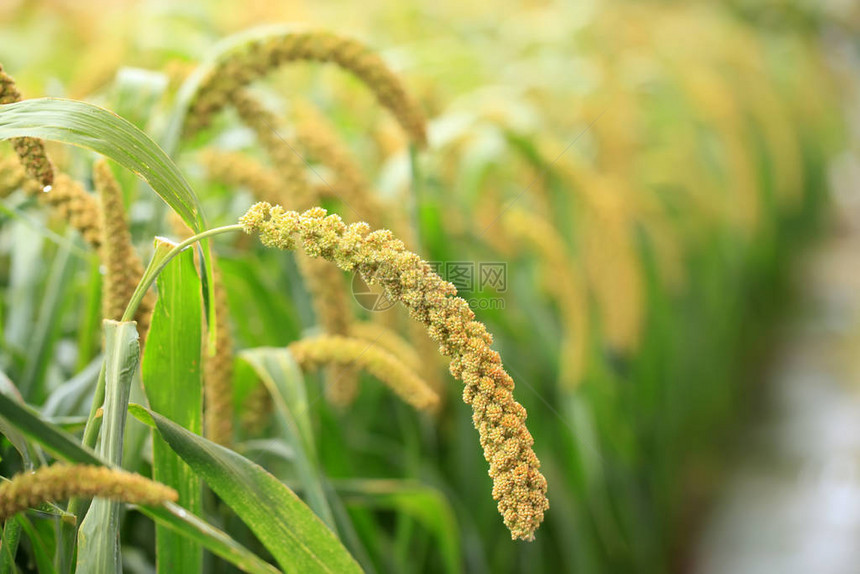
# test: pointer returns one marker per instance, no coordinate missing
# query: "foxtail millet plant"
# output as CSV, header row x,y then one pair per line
x,y
218,371
614,271
73,204
367,356
63,481
518,485
253,60
715,106
31,151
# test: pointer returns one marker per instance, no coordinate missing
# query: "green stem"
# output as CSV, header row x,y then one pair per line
x,y
158,262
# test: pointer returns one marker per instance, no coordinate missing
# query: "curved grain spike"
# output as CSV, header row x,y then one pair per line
x,y
61,481
614,271
31,151
242,64
73,204
68,199
123,266
518,485
367,356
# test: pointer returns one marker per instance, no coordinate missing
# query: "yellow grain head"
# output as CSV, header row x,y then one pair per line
x,y
612,263
253,60
71,203
61,481
518,485
218,371
31,151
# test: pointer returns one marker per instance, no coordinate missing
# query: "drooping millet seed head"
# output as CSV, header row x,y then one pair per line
x,y
518,485
253,60
62,481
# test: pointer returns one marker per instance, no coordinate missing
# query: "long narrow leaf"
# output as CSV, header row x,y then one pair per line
x,y
176,519
295,536
49,436
97,129
283,379
9,546
172,379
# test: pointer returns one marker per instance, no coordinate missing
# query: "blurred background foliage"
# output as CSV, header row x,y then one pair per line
x,y
647,171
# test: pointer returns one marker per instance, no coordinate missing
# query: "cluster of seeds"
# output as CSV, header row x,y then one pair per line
x,y
518,485
61,481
